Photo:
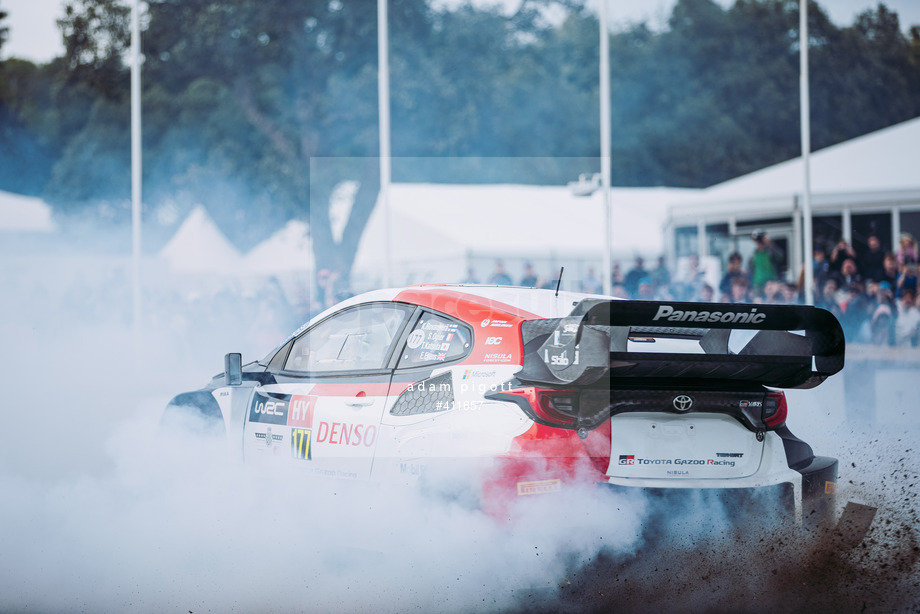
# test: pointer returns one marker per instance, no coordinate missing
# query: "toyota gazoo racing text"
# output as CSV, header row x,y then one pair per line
x,y
555,390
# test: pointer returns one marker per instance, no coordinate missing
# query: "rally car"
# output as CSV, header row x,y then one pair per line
x,y
555,389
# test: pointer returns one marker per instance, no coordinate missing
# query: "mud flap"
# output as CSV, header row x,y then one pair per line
x,y
819,493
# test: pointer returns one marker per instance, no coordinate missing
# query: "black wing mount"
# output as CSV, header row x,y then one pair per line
x,y
792,346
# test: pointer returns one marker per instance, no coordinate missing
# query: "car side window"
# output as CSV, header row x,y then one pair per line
x,y
435,339
360,338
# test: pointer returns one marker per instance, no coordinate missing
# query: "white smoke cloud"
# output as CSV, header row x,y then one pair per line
x,y
104,512
175,525
101,512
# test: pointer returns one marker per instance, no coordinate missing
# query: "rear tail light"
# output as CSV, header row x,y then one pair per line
x,y
548,406
775,409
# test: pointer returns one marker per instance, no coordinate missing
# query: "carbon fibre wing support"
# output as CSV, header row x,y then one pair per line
x,y
783,346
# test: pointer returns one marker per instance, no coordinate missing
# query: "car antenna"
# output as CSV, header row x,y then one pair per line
x,y
559,281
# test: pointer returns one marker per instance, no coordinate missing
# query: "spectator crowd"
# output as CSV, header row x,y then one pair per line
x,y
872,292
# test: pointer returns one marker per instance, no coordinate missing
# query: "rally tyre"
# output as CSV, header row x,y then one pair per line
x,y
196,412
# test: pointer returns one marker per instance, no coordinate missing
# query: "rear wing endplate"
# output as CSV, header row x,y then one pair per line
x,y
791,346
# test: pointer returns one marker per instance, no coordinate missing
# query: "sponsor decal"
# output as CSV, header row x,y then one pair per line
x,y
476,373
559,359
269,438
567,333
630,459
743,404
335,473
496,358
670,314
493,340
496,323
346,434
830,488
300,444
300,410
415,339
265,409
730,454
539,487
682,402
411,468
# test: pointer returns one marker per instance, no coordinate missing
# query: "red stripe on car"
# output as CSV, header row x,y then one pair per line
x,y
470,308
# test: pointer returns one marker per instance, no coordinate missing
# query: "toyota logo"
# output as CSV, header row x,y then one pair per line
x,y
682,403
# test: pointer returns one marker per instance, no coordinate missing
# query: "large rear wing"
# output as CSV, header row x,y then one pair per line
x,y
782,346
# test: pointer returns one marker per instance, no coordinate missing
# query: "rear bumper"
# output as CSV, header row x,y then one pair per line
x,y
807,496
766,504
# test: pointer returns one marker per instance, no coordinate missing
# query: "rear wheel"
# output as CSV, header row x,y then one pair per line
x,y
195,412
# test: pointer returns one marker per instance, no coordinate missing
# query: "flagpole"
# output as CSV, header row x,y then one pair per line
x,y
136,175
804,108
605,145
383,104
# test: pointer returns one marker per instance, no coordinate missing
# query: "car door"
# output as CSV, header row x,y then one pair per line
x,y
427,397
323,411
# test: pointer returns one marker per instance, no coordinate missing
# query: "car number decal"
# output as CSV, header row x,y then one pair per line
x,y
300,444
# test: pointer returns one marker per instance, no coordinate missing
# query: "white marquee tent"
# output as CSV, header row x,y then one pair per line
x,y
200,247
439,230
20,213
289,250
874,174
886,160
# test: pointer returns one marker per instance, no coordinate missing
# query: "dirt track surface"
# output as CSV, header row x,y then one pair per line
x,y
775,573
857,566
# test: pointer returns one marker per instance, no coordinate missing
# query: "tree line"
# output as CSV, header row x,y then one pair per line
x,y
258,109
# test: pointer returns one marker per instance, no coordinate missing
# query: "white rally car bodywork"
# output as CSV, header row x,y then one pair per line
x,y
461,375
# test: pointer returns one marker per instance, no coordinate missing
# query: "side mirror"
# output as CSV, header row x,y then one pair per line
x,y
233,368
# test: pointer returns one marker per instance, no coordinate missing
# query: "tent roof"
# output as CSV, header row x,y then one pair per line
x,y
288,249
20,213
199,246
515,219
881,161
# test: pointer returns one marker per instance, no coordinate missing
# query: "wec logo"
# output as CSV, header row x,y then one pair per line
x,y
726,317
